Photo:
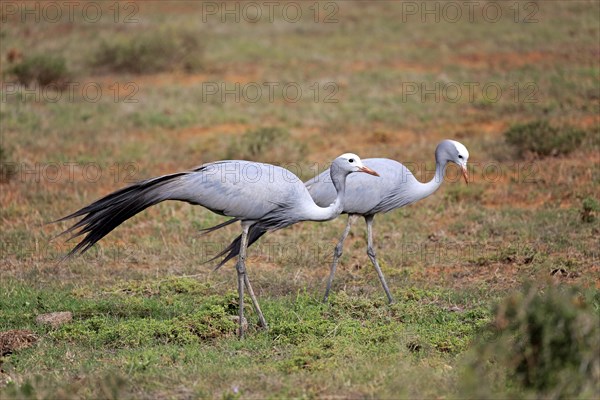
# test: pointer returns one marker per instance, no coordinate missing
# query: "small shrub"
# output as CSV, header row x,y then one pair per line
x,y
8,169
542,139
589,208
543,340
271,144
154,52
41,69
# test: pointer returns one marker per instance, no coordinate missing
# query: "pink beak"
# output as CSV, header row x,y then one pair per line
x,y
368,171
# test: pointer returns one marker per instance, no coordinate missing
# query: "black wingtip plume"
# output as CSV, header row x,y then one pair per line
x,y
105,214
206,231
233,250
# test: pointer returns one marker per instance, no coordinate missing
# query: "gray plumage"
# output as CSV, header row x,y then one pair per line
x,y
397,187
253,193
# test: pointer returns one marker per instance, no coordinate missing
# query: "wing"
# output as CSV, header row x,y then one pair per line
x,y
242,189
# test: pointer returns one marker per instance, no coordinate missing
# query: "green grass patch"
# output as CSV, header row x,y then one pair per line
x,y
458,193
208,322
146,328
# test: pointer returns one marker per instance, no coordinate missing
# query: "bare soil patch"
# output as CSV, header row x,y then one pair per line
x,y
54,319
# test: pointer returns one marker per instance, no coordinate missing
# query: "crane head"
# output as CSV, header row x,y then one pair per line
x,y
455,152
349,163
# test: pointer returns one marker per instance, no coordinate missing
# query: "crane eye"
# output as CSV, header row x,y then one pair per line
x,y
351,160
460,156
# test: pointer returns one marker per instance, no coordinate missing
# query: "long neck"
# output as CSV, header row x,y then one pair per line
x,y
426,189
315,213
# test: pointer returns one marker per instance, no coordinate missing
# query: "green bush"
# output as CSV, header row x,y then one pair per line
x,y
589,208
41,69
542,139
163,50
270,144
545,341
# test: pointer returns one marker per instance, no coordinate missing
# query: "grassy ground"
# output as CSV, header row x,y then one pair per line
x,y
143,328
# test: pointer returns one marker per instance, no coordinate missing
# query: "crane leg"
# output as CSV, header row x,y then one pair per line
x,y
241,275
337,253
373,257
243,280
261,317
